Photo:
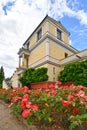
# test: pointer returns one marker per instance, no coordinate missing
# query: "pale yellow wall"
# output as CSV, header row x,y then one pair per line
x,y
59,25
44,28
5,85
52,30
66,39
37,54
45,65
50,72
25,61
56,52
40,51
65,35
14,80
33,38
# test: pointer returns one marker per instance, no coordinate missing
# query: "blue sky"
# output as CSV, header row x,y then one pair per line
x,y
78,32
18,18
7,6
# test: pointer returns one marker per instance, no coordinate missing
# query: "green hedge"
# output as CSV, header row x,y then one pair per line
x,y
32,75
75,72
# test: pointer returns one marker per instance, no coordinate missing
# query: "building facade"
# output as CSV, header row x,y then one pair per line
x,y
48,46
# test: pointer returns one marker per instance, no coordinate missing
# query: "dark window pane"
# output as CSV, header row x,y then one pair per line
x,y
27,45
58,34
39,34
66,55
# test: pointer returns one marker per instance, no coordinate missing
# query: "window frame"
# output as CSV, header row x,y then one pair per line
x,y
39,34
59,34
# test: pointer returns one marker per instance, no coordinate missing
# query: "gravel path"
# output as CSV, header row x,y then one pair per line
x,y
9,122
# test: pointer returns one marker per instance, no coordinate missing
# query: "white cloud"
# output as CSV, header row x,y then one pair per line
x,y
15,27
82,16
22,19
62,7
70,42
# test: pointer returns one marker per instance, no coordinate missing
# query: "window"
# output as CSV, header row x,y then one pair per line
x,y
58,34
66,55
54,70
27,46
39,34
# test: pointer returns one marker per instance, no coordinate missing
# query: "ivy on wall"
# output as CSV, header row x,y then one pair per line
x,y
32,75
75,72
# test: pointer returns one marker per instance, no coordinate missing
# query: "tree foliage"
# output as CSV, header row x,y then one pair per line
x,y
1,76
32,75
75,72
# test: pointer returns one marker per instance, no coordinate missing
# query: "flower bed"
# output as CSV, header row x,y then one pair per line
x,y
56,108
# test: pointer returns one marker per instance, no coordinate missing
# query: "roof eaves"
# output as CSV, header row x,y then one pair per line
x,y
55,21
51,19
36,29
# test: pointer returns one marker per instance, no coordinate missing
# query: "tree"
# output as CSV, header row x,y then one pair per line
x,y
2,77
32,75
75,72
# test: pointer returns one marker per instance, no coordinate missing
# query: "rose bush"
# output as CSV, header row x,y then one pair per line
x,y
58,106
5,95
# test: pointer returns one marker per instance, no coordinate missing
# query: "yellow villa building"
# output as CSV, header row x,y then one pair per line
x,y
47,46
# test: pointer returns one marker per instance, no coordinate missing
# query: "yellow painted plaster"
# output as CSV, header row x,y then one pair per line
x,y
32,40
66,39
15,80
50,72
51,29
44,28
37,54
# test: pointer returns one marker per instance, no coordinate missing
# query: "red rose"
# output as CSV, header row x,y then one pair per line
x,y
80,87
23,105
71,97
80,94
25,98
76,110
58,83
34,107
28,104
65,103
25,89
26,113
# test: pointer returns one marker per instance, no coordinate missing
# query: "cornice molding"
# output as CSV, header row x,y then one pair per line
x,y
49,36
23,51
44,60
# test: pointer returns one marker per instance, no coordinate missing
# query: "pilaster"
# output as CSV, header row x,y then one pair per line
x,y
47,26
47,50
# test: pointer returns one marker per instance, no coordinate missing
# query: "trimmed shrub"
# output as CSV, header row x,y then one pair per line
x,y
31,75
74,72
